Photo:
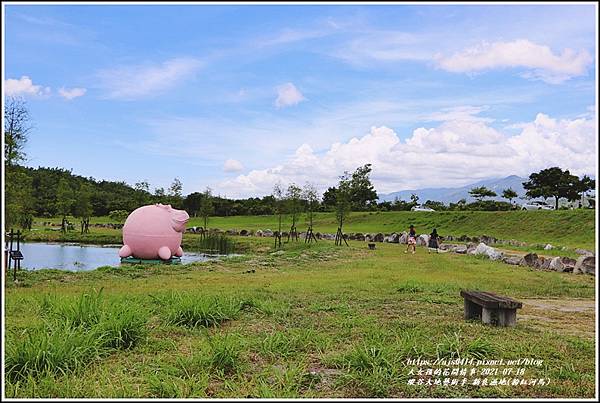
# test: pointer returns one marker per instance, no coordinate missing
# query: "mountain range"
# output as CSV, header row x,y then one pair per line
x,y
452,195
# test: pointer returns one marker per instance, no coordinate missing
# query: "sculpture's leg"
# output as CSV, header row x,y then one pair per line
x,y
125,251
164,253
179,252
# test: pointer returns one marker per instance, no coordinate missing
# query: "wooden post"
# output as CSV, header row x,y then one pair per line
x,y
472,310
310,236
339,237
11,235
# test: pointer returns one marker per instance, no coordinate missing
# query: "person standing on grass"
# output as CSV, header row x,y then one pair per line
x,y
434,241
412,240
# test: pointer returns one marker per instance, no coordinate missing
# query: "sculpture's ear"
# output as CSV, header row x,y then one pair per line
x,y
179,219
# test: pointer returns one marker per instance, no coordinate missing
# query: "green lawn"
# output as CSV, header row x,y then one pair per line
x,y
311,321
569,228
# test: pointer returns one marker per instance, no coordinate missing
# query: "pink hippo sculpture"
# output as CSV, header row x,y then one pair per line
x,y
154,231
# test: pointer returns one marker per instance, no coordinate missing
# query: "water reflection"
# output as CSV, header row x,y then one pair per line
x,y
75,257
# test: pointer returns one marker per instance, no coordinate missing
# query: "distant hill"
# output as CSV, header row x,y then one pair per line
x,y
452,195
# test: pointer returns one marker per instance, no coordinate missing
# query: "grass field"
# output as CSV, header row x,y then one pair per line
x,y
569,228
310,321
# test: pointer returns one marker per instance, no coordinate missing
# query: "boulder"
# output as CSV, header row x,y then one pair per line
x,y
403,238
511,259
548,247
369,237
512,242
318,235
378,237
422,240
447,238
244,232
392,238
584,252
529,259
460,249
542,263
267,232
488,240
585,265
352,236
471,248
483,249
330,237
232,232
359,236
258,233
562,264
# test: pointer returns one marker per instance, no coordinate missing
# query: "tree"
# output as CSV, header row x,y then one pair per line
x,y
279,209
142,191
142,186
293,197
207,207
329,201
414,199
18,202
192,203
65,199
585,185
509,194
552,182
436,205
343,205
17,125
82,208
362,191
459,205
311,196
175,193
118,215
159,195
481,193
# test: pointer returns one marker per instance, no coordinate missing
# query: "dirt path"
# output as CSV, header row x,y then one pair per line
x,y
566,316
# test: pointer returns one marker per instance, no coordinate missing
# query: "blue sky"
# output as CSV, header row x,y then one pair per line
x,y
240,97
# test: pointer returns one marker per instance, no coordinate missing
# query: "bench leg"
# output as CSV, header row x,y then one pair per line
x,y
507,317
472,310
499,317
489,316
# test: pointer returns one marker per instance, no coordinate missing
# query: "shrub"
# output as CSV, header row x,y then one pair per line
x,y
56,350
225,353
198,310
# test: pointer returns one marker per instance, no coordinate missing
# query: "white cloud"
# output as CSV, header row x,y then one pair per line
x,y
455,153
71,93
539,60
132,82
385,46
24,86
288,95
232,166
464,113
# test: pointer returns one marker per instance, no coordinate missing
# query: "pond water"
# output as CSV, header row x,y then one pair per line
x,y
76,257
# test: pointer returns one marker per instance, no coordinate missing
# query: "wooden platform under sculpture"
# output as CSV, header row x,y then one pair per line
x,y
490,308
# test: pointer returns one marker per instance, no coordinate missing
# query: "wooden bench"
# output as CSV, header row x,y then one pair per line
x,y
490,308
